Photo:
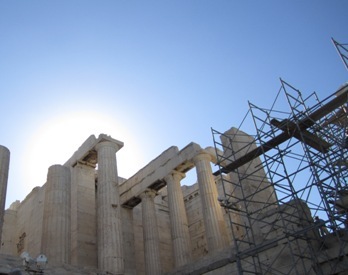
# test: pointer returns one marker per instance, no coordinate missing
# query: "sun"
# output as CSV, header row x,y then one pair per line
x,y
56,139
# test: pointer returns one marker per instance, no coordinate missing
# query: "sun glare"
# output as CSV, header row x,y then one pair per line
x,y
57,139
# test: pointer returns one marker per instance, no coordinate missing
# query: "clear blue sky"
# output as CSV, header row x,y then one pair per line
x,y
151,73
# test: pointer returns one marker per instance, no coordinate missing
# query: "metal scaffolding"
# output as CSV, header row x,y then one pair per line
x,y
342,51
293,169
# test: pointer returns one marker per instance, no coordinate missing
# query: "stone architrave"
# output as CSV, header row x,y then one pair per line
x,y
215,227
4,169
178,219
56,216
151,235
110,250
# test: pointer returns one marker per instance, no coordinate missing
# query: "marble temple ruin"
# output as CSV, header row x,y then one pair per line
x,y
93,219
86,219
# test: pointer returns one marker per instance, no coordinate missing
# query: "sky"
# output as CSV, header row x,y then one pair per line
x,y
152,74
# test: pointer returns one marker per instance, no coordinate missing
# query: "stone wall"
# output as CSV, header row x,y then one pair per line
x,y
9,238
195,220
83,216
278,252
23,226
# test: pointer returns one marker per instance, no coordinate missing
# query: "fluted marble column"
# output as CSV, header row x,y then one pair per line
x,y
56,216
128,241
150,231
178,219
215,227
110,250
4,168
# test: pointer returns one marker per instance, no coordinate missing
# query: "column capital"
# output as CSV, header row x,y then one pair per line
x,y
175,174
104,144
202,155
148,193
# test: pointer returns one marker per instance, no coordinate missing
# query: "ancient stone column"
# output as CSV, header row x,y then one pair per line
x,y
215,227
56,217
4,168
150,231
178,219
128,240
110,251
